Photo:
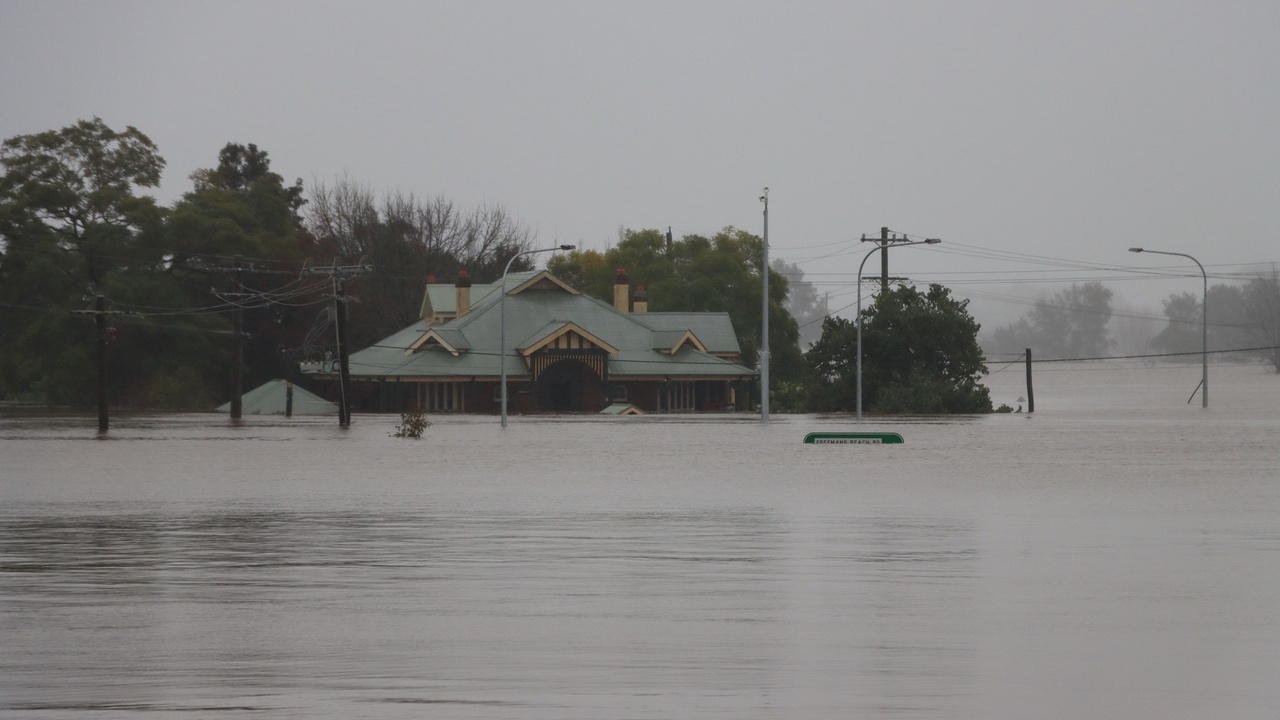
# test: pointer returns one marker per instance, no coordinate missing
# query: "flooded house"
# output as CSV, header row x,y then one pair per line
x,y
564,352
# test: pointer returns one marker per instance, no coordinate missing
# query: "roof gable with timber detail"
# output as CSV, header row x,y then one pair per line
x,y
564,335
542,281
670,341
714,330
444,338
540,316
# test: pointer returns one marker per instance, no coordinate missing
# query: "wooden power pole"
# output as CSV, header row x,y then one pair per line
x,y
237,341
100,325
339,274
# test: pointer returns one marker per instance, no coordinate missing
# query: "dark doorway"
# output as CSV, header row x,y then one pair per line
x,y
560,386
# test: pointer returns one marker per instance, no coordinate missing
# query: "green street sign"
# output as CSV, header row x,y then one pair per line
x,y
853,438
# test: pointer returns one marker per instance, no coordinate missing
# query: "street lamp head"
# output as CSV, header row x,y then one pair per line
x,y
1135,249
568,247
932,241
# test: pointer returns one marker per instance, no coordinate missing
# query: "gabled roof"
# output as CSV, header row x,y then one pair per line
x,y
540,310
557,330
441,299
713,329
669,341
272,398
443,337
541,281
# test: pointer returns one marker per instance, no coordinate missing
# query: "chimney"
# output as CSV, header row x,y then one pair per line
x,y
640,299
622,292
426,312
463,287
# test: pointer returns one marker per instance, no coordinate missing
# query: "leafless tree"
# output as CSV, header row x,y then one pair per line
x,y
407,239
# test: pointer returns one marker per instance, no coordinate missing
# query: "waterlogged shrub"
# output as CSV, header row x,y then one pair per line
x,y
923,394
412,424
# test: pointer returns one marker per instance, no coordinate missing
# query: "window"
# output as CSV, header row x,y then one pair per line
x,y
440,397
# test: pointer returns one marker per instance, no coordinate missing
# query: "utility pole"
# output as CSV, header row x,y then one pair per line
x,y
884,260
344,363
764,314
339,275
237,340
100,324
99,313
884,241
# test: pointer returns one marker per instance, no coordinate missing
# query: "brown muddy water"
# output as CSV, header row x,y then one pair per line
x,y
1114,555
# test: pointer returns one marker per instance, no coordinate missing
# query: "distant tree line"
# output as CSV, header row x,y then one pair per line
x,y
1243,323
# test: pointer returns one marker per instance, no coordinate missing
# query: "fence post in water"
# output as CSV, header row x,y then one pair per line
x,y
288,398
1031,394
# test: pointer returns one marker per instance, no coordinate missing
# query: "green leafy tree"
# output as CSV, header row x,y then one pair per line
x,y
920,354
73,190
72,226
698,274
242,208
245,168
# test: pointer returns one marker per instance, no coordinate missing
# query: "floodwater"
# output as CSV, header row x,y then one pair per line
x,y
1114,555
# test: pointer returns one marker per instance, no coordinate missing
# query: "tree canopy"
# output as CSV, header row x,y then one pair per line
x,y
696,273
1070,324
920,354
1228,324
406,240
1262,300
72,226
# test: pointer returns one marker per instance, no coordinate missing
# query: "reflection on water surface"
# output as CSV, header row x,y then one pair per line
x,y
1091,560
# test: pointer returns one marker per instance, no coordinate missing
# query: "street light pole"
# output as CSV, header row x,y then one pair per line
x,y
764,330
1204,322
502,322
930,241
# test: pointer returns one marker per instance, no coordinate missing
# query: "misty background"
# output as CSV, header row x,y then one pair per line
x,y
1039,141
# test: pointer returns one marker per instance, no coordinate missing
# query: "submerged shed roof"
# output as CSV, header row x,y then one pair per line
x,y
271,398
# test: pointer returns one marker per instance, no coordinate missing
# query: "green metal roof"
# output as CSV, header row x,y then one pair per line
x,y
271,398
534,312
442,298
714,329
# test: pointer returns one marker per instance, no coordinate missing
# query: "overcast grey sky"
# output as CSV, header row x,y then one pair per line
x,y
1039,140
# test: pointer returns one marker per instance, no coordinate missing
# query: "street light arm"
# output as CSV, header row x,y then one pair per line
x,y
507,269
1204,322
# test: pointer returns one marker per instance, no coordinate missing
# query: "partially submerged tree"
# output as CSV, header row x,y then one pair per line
x,y
71,226
920,354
